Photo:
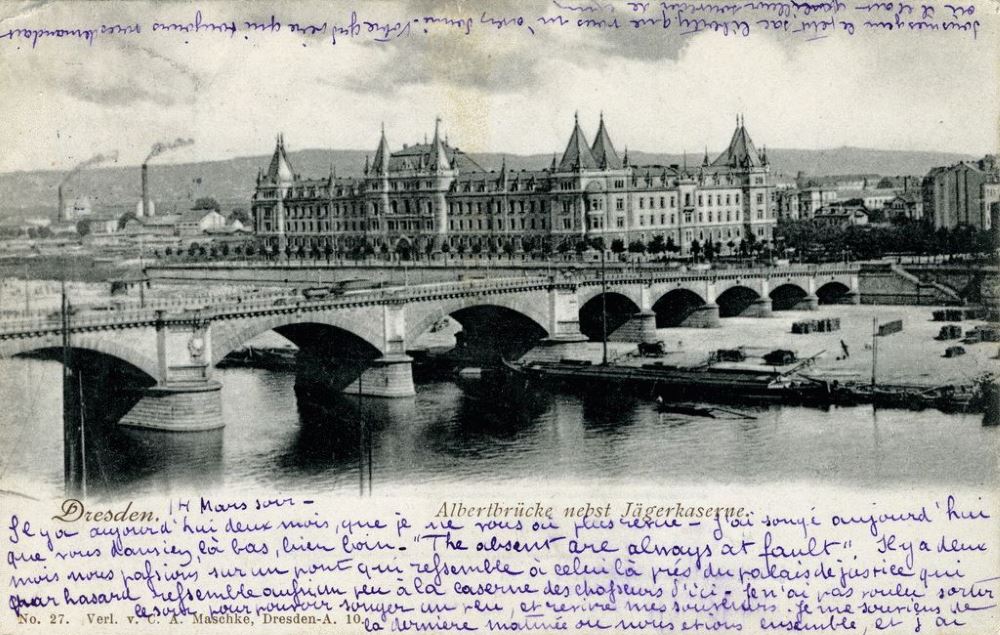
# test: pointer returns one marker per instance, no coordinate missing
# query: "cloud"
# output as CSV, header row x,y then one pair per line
x,y
115,94
497,91
479,68
117,76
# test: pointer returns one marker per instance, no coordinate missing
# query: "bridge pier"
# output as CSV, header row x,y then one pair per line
x,y
704,317
185,398
564,316
179,407
808,303
761,307
389,376
640,328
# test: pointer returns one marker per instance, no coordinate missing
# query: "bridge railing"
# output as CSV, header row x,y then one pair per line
x,y
117,305
397,293
53,321
213,306
721,274
188,301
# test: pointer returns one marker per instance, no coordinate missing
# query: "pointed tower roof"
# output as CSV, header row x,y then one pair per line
x,y
381,163
280,170
439,156
577,154
741,151
603,150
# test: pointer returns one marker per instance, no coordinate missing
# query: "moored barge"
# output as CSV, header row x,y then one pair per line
x,y
677,383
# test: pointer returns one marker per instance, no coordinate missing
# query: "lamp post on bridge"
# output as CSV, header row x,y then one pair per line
x,y
604,313
74,460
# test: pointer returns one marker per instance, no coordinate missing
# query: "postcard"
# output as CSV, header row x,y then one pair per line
x,y
424,316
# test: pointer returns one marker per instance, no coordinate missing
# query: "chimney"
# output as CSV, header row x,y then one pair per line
x,y
145,211
61,212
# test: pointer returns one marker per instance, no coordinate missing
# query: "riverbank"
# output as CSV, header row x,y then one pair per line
x,y
911,357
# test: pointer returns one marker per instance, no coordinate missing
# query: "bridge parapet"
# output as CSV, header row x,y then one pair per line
x,y
82,320
653,277
186,301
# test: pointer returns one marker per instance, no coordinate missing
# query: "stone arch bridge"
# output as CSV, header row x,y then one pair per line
x,y
177,349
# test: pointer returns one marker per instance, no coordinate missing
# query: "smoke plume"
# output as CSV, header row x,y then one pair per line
x,y
160,148
94,160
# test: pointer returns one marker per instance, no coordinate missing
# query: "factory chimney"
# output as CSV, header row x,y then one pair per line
x,y
155,151
145,210
61,212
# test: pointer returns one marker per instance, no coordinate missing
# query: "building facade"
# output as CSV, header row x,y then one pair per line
x,y
961,194
843,214
906,205
431,197
814,197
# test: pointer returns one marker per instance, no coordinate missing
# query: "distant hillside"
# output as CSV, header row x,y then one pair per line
x,y
231,182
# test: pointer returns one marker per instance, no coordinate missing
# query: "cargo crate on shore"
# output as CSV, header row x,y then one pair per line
x,y
984,333
889,328
779,357
949,332
827,325
730,355
804,326
948,315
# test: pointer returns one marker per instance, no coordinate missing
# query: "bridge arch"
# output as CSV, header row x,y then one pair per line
x,y
786,296
492,325
675,306
832,292
586,293
420,317
620,309
736,300
107,345
320,333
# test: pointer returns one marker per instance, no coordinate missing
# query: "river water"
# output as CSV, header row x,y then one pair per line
x,y
453,432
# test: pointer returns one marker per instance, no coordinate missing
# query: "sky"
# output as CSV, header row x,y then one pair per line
x,y
495,90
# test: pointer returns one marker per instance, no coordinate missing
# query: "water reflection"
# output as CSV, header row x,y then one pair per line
x,y
480,431
608,411
133,456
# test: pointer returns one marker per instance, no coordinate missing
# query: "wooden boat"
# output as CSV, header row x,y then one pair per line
x,y
685,409
676,383
698,410
266,358
948,398
990,391
470,372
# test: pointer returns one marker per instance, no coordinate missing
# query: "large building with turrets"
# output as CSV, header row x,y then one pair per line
x,y
429,198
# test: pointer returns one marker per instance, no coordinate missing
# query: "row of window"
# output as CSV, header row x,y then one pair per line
x,y
479,224
686,237
567,207
409,206
518,206
595,222
492,186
